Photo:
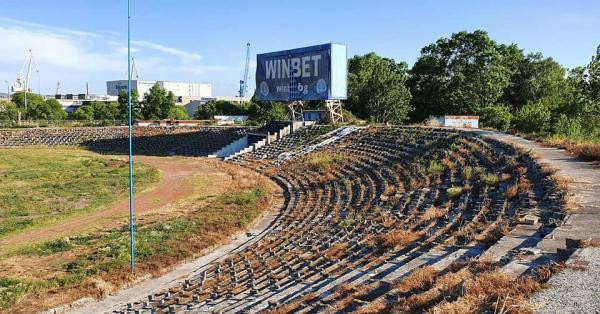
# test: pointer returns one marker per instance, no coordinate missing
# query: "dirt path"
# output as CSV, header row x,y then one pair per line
x,y
175,184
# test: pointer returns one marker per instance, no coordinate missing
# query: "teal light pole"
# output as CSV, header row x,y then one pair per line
x,y
132,251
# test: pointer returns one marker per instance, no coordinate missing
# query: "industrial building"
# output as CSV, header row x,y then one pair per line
x,y
184,92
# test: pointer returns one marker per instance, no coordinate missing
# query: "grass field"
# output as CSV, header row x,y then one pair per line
x,y
71,182
41,186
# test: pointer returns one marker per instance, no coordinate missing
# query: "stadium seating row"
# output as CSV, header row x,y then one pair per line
x,y
369,210
187,141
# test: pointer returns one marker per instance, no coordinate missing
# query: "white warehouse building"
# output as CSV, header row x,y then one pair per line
x,y
184,92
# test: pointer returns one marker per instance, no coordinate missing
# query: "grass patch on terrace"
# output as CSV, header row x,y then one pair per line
x,y
43,185
323,161
454,191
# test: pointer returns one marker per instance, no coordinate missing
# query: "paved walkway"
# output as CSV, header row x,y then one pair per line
x,y
572,291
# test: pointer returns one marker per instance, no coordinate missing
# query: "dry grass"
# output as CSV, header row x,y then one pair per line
x,y
505,177
490,291
449,163
586,150
511,191
524,184
417,280
446,284
432,213
93,275
397,238
494,234
388,221
563,183
593,242
291,307
377,306
337,250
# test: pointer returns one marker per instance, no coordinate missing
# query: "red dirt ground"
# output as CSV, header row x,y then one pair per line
x,y
175,184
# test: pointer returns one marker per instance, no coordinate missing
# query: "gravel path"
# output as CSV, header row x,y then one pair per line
x,y
573,290
577,289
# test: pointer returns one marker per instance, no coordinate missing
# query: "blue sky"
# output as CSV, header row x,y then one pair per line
x,y
79,41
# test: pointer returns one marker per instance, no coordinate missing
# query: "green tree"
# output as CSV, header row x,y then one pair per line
x,y
178,113
158,103
106,110
533,118
360,70
50,109
264,111
85,112
136,110
33,101
218,107
461,74
537,78
8,110
377,88
496,116
206,111
594,76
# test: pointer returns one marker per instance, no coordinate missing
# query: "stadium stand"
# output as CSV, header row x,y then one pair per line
x,y
368,212
159,141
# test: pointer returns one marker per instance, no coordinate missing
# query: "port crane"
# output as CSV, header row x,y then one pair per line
x,y
23,79
22,82
134,72
244,82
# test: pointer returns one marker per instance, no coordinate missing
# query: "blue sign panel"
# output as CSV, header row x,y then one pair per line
x,y
310,73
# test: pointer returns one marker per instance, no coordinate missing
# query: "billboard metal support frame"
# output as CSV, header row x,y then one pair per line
x,y
335,110
295,109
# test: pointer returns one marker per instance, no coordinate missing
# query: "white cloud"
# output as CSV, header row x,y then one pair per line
x,y
74,56
55,49
62,30
183,55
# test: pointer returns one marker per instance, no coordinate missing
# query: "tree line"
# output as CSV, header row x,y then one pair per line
x,y
158,104
469,73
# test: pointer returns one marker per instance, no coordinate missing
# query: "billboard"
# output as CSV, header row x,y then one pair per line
x,y
310,73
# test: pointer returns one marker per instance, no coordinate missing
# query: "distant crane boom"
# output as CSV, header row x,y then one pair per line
x,y
244,81
134,72
23,79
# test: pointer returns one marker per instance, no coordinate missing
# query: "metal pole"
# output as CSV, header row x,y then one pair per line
x,y
132,251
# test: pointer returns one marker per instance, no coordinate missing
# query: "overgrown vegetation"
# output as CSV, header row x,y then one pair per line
x,y
323,161
42,185
454,191
105,256
490,179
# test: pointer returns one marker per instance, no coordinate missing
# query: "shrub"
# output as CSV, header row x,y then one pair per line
x,y
496,116
467,173
323,161
532,118
434,167
454,191
490,179
568,127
